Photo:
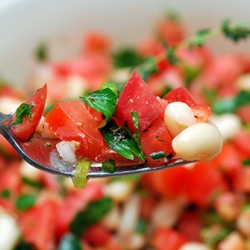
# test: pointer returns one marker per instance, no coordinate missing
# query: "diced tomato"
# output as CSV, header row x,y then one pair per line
x,y
241,179
228,160
10,183
27,128
74,201
171,30
180,94
38,225
167,238
171,182
96,42
155,139
201,112
6,148
190,225
72,121
204,182
137,97
241,142
97,235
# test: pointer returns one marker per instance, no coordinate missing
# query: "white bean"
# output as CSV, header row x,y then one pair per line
x,y
201,141
194,246
178,116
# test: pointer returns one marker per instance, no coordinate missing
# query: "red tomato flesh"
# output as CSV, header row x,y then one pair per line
x,y
137,97
71,121
27,128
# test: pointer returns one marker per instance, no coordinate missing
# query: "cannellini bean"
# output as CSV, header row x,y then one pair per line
x,y
201,141
228,124
111,220
9,231
120,191
194,246
243,222
178,116
232,242
136,242
166,213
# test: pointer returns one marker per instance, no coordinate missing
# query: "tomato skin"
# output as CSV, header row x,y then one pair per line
x,y
27,128
201,112
167,238
180,94
38,225
137,97
97,235
72,121
156,138
204,181
171,182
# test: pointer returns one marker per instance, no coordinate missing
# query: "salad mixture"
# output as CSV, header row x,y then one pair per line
x,y
150,103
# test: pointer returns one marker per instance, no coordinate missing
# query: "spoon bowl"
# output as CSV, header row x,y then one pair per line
x,y
41,153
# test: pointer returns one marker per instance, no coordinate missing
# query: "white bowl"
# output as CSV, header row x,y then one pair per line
x,y
62,23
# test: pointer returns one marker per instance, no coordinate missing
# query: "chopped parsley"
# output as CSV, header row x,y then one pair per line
x,y
103,100
5,193
118,139
25,201
24,110
158,155
109,166
69,242
91,214
235,33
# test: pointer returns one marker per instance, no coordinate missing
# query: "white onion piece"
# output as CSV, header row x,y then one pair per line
x,y
66,150
9,231
194,246
128,220
201,142
43,129
178,116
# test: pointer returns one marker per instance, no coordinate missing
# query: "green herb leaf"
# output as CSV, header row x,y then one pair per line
x,y
231,104
199,38
120,141
70,242
148,68
5,193
103,100
25,201
171,56
23,110
235,33
91,214
23,245
109,166
112,86
127,57
158,155
42,52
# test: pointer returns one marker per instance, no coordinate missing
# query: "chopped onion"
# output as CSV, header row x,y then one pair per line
x,y
66,150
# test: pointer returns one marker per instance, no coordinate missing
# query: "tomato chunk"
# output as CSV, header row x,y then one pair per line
x,y
71,121
156,139
27,128
137,97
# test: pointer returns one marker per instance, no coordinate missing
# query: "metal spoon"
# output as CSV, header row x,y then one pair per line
x,y
41,153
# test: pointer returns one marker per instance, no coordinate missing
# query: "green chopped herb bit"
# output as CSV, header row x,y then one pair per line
x,y
22,111
25,201
103,100
246,162
42,52
23,245
148,68
158,155
236,33
80,177
32,183
91,214
230,105
127,57
69,242
141,226
171,56
5,193
118,139
109,166
112,86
